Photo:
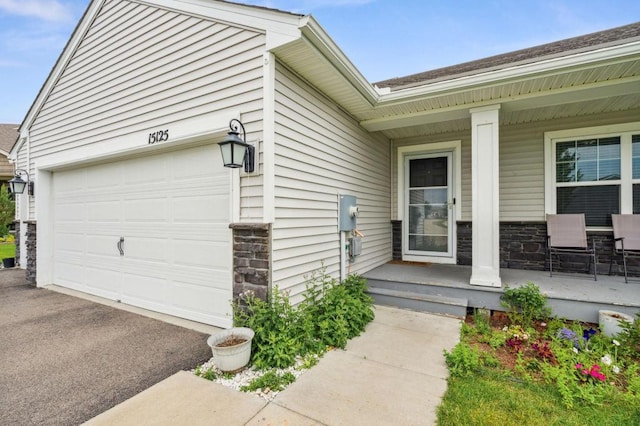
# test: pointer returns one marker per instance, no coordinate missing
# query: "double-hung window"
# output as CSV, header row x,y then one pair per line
x,y
595,171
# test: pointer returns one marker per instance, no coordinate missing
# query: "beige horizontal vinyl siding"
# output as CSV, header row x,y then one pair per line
x,y
141,67
521,162
521,174
321,152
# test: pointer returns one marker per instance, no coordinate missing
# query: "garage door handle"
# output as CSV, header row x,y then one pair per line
x,y
121,246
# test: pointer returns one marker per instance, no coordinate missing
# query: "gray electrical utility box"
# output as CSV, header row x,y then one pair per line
x,y
348,213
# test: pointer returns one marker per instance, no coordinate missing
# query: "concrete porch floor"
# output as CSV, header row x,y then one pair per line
x,y
572,296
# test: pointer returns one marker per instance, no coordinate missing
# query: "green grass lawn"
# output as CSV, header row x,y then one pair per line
x,y
491,399
7,250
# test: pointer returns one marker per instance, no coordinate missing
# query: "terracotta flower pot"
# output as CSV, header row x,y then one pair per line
x,y
231,348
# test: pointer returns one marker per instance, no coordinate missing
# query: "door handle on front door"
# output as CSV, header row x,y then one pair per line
x,y
121,246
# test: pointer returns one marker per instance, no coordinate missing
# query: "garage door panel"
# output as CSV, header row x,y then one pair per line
x,y
197,162
103,246
205,298
70,274
201,209
202,254
143,287
143,170
145,210
70,182
103,211
149,250
69,212
215,279
105,176
104,282
68,242
197,232
172,210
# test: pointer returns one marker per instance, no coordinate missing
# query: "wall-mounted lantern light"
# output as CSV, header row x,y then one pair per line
x,y
237,152
17,184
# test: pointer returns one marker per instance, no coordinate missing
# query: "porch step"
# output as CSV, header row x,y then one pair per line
x,y
421,302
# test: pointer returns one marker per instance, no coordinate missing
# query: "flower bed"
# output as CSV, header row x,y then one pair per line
x,y
584,365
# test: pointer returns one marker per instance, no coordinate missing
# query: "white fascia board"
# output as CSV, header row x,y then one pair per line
x,y
280,27
519,72
324,44
22,139
64,58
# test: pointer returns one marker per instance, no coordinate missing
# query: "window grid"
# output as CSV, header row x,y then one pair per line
x,y
612,161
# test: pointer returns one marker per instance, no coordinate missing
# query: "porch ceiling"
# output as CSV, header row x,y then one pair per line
x,y
599,81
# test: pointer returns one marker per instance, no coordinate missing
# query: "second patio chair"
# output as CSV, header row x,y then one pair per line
x,y
567,234
626,238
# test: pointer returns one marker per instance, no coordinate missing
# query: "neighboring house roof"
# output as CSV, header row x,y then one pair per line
x,y
8,137
560,48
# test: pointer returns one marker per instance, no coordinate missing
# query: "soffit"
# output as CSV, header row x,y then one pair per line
x,y
608,80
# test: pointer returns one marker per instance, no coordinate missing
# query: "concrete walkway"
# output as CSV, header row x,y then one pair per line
x,y
392,374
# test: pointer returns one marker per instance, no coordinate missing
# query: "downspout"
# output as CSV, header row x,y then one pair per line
x,y
268,152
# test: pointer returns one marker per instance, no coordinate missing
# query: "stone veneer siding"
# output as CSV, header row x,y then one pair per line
x,y
523,245
30,243
396,232
251,258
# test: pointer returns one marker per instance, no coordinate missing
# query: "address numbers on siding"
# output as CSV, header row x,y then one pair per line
x,y
159,136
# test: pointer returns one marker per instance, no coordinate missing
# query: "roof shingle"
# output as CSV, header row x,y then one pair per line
x,y
565,47
8,136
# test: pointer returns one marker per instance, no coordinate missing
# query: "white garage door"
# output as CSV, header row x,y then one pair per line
x,y
151,232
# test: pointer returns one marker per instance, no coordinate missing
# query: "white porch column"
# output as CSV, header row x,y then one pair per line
x,y
485,263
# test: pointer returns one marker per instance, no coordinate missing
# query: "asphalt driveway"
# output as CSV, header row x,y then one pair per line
x,y
64,360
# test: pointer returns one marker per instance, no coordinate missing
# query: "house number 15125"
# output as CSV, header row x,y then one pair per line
x,y
159,136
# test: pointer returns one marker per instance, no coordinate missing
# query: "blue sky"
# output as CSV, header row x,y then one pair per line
x,y
383,38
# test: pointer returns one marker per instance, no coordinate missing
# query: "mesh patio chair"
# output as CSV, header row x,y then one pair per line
x,y
626,237
567,234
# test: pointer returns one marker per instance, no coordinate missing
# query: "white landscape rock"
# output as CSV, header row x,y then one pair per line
x,y
245,377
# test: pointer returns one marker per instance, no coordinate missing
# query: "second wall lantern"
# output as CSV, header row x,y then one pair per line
x,y
237,152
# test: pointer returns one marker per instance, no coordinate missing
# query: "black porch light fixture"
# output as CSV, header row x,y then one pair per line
x,y
237,152
17,184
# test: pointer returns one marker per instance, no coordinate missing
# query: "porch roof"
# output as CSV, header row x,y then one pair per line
x,y
585,75
611,37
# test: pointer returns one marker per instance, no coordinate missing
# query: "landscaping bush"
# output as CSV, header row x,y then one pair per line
x,y
525,304
574,361
7,211
330,314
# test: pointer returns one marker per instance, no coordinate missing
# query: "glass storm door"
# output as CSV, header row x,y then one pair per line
x,y
429,207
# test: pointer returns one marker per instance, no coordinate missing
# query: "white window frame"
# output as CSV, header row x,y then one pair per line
x,y
624,131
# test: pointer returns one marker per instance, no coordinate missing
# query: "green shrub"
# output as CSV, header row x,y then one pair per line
x,y
330,314
7,211
629,338
274,345
333,313
463,360
525,304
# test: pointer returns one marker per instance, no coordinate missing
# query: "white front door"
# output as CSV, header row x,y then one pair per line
x,y
429,203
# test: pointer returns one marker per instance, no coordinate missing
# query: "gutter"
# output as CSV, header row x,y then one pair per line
x,y
318,38
608,55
